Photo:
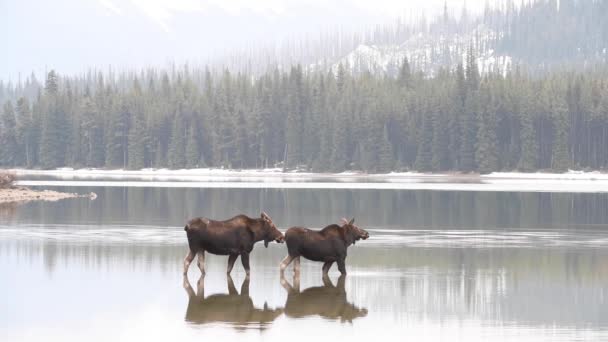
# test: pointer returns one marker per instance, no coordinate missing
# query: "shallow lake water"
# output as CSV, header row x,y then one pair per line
x,y
439,266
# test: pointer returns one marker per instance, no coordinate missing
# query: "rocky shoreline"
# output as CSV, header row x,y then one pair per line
x,y
22,195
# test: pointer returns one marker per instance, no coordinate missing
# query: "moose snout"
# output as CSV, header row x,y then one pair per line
x,y
365,236
280,239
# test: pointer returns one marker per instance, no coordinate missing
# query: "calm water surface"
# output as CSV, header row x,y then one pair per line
x,y
439,266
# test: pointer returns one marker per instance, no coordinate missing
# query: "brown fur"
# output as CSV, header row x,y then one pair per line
x,y
327,245
233,237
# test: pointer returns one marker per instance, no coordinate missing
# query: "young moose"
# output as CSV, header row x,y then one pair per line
x,y
327,245
234,237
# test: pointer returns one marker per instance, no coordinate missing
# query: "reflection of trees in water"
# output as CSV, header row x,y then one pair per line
x,y
8,210
517,285
94,256
554,285
373,208
233,308
327,301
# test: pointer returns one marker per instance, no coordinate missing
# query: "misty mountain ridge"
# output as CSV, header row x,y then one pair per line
x,y
538,36
428,53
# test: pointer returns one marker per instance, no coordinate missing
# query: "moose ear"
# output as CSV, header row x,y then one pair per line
x,y
265,216
352,221
343,221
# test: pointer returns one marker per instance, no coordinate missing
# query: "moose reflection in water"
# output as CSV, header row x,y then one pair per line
x,y
232,308
327,301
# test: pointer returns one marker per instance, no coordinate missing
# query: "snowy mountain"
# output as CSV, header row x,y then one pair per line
x,y
428,52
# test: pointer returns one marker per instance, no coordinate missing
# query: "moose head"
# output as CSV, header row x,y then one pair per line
x,y
271,233
354,231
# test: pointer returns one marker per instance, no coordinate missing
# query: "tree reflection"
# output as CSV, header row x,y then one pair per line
x,y
8,210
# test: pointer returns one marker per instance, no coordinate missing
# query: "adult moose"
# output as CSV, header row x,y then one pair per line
x,y
234,237
328,245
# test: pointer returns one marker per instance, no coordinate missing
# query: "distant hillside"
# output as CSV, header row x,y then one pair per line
x,y
540,35
537,36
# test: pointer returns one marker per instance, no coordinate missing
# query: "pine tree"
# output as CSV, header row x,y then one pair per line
x,y
404,78
486,154
294,127
53,141
137,142
193,155
440,152
425,141
93,142
117,136
529,147
8,138
339,157
560,159
177,152
385,153
472,72
469,133
25,133
241,141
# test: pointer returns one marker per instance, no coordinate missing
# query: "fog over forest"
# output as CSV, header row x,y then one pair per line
x,y
497,87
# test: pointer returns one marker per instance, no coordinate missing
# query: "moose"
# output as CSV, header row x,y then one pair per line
x,y
327,301
328,245
234,237
233,308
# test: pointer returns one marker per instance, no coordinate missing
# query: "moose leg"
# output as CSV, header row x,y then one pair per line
x,y
188,287
245,261
296,281
200,287
285,283
187,260
296,265
245,287
201,261
288,259
231,260
326,266
326,281
231,287
342,265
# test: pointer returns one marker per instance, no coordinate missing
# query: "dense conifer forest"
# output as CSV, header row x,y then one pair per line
x,y
545,113
455,121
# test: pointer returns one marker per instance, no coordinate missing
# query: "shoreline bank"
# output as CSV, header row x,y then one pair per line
x,y
20,195
208,173
569,182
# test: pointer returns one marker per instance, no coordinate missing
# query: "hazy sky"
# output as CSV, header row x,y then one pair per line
x,y
73,35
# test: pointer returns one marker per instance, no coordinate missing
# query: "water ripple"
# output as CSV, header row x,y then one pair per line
x,y
426,238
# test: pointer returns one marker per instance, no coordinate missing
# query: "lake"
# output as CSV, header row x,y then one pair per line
x,y
439,266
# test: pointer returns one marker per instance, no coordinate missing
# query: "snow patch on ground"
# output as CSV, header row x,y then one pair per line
x,y
570,175
571,181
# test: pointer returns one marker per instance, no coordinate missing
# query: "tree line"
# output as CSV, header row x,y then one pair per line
x,y
456,120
